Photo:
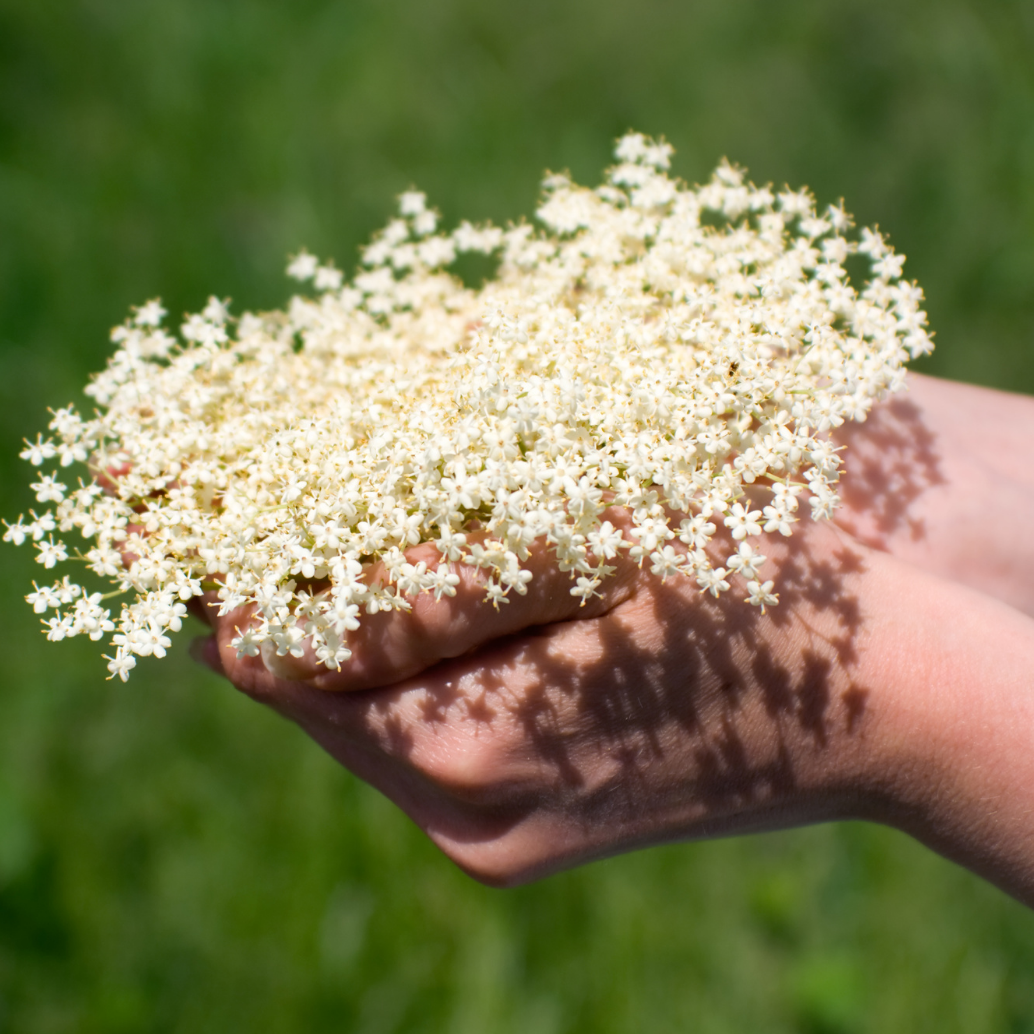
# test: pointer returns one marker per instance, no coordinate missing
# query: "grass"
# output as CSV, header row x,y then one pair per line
x,y
173,858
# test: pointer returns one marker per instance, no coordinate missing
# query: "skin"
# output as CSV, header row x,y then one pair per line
x,y
922,473
892,683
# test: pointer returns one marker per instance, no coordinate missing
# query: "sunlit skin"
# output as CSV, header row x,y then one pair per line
x,y
893,682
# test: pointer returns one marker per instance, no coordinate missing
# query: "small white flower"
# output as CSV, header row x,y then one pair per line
x,y
761,595
39,451
328,278
51,553
712,580
43,599
303,266
666,562
121,665
247,643
778,520
445,582
745,561
743,522
606,541
58,628
425,222
412,203
41,525
150,314
216,310
586,587
16,533
696,531
48,489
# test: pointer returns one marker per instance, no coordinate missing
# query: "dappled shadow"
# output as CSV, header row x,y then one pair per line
x,y
684,675
890,461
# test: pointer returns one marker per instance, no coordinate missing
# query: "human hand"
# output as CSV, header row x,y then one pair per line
x,y
553,732
665,714
940,477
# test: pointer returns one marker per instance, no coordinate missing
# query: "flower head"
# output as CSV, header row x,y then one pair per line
x,y
652,346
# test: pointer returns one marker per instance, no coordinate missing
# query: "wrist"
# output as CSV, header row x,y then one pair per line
x,y
948,756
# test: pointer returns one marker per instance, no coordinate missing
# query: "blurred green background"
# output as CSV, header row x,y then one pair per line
x,y
173,858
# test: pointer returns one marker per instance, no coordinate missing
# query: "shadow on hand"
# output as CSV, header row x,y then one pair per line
x,y
673,700
891,461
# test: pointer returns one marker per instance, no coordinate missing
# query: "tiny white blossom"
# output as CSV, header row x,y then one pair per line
x,y
666,562
42,599
761,595
696,531
412,203
743,521
745,561
16,533
58,628
51,553
150,314
445,582
712,580
303,266
48,489
328,278
248,643
777,519
606,541
121,665
425,222
216,310
39,451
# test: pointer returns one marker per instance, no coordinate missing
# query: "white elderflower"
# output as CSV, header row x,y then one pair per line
x,y
761,594
48,489
746,561
16,533
680,352
150,314
303,266
38,452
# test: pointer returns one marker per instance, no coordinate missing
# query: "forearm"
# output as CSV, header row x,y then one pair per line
x,y
952,758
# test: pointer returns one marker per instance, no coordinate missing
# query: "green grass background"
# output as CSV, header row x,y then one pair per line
x,y
172,857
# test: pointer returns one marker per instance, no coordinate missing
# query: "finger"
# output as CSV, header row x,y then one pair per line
x,y
389,647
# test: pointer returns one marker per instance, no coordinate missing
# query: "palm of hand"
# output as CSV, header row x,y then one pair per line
x,y
655,713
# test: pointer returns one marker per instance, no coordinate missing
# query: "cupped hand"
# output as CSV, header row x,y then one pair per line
x,y
531,738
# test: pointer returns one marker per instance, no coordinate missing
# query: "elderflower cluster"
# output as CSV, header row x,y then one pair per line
x,y
652,346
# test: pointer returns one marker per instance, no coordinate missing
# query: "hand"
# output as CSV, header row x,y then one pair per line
x,y
672,715
548,734
940,477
